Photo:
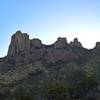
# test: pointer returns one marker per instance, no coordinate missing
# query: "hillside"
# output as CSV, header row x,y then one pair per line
x,y
31,65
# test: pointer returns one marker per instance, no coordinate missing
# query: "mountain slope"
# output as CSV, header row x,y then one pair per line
x,y
29,63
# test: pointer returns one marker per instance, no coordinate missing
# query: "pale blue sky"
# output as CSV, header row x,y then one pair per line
x,y
49,19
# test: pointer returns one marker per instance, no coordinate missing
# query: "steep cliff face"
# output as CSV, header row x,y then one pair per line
x,y
19,42
23,50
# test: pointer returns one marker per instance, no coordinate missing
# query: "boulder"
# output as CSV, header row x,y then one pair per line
x,y
36,43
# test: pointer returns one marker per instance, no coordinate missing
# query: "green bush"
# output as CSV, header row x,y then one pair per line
x,y
82,84
78,87
55,90
23,94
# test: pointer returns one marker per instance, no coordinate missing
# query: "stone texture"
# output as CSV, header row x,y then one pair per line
x,y
54,55
61,43
25,50
75,43
36,43
19,42
29,61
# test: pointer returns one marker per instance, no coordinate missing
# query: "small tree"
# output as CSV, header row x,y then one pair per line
x,y
81,85
56,91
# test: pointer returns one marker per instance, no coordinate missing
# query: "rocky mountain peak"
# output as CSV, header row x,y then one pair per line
x,y
19,42
61,43
75,43
30,65
97,45
22,49
18,32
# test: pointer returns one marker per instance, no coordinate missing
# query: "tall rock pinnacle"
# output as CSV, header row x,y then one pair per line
x,y
75,43
19,42
22,49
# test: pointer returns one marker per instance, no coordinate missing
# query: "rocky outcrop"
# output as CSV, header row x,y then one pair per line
x,y
75,43
30,63
97,45
23,50
36,43
19,42
61,43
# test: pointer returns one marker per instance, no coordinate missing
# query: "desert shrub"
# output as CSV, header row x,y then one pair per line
x,y
78,87
81,84
56,90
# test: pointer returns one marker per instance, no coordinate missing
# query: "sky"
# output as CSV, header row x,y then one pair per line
x,y
50,19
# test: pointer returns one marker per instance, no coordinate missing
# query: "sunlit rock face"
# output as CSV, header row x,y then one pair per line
x,y
19,42
75,43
